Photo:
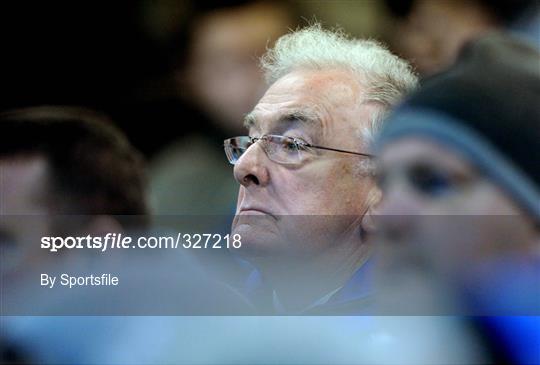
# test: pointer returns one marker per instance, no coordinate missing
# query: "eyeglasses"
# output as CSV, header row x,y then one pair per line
x,y
280,149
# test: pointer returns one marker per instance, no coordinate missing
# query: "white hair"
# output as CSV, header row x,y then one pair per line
x,y
385,77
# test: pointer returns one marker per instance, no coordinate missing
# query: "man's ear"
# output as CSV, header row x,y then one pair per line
x,y
368,224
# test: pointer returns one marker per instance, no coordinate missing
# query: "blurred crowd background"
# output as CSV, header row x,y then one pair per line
x,y
178,76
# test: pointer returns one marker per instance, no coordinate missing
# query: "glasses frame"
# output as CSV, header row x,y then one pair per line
x,y
298,143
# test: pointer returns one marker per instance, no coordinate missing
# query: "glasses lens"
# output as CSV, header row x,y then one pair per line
x,y
235,147
282,149
279,149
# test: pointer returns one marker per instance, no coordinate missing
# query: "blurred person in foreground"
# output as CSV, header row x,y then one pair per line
x,y
459,223
305,175
67,171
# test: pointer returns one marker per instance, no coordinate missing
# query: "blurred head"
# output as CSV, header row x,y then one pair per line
x,y
65,161
222,73
327,92
431,33
458,166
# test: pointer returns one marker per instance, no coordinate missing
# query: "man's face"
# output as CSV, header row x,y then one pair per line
x,y
437,209
327,184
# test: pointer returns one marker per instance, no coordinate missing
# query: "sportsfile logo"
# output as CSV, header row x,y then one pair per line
x,y
122,241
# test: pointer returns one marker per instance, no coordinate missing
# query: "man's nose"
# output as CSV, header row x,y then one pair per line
x,y
251,168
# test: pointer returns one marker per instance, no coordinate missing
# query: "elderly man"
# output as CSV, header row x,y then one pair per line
x,y
306,179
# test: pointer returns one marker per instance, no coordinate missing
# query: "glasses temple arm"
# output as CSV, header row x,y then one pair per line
x,y
344,151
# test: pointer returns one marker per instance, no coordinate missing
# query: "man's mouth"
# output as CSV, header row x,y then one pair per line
x,y
252,210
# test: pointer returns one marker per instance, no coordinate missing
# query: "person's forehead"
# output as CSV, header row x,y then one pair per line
x,y
312,95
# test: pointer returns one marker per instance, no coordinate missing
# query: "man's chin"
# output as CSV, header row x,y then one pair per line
x,y
258,233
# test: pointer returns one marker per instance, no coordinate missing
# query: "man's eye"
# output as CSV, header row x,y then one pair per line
x,y
290,145
430,182
299,142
